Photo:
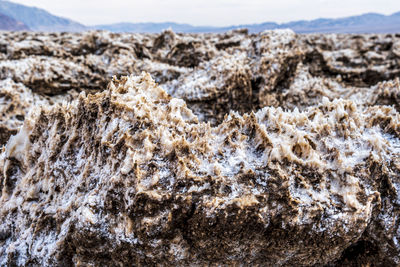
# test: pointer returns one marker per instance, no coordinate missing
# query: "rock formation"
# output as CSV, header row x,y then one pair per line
x,y
269,149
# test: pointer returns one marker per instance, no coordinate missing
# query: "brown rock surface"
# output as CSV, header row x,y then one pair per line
x,y
277,149
213,73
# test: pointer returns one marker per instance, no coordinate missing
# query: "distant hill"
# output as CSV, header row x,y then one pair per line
x,y
38,19
9,24
367,23
155,27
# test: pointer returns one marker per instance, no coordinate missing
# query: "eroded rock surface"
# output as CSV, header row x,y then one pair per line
x,y
213,73
268,149
131,175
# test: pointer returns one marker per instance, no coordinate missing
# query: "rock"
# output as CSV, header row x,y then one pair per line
x,y
265,65
16,101
268,149
49,76
130,176
361,60
216,87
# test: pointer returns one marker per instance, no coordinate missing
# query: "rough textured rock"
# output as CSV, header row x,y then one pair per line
x,y
15,102
130,175
268,149
359,59
213,73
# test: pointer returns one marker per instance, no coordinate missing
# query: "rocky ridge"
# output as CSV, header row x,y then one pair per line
x,y
268,149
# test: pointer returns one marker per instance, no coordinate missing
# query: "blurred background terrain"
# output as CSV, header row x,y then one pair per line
x,y
15,16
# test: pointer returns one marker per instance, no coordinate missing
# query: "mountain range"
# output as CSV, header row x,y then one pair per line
x,y
37,19
9,24
20,17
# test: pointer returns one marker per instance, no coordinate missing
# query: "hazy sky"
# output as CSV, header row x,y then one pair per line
x,y
209,12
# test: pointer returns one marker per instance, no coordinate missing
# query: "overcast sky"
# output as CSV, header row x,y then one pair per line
x,y
209,12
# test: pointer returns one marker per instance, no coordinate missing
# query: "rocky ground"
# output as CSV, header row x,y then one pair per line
x,y
221,149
